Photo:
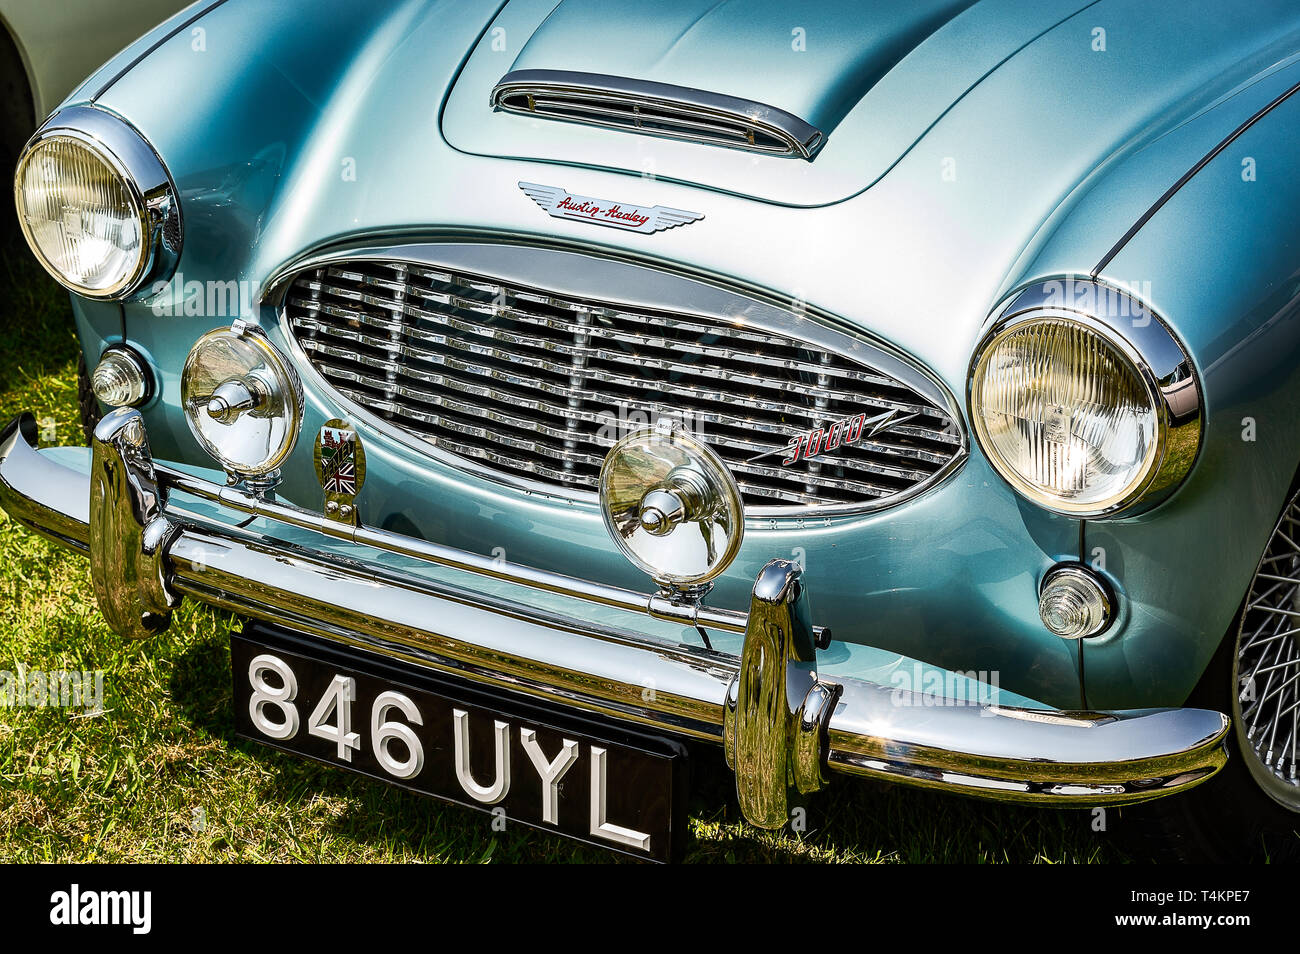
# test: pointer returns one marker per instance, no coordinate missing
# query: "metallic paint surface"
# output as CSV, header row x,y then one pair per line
x,y
1011,175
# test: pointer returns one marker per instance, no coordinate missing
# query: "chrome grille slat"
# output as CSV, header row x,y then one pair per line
x,y
746,489
523,313
520,314
602,443
499,457
536,385
622,111
565,413
813,415
634,360
607,377
671,322
717,133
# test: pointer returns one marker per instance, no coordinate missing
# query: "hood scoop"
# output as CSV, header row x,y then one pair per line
x,y
655,89
657,109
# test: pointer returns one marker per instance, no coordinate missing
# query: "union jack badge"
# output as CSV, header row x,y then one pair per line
x,y
341,469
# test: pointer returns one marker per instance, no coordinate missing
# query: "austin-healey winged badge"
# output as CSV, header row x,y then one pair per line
x,y
619,215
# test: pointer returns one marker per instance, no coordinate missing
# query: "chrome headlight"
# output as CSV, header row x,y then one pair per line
x,y
243,402
96,205
1083,401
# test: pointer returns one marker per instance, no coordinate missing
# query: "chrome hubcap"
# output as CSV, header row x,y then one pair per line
x,y
1266,674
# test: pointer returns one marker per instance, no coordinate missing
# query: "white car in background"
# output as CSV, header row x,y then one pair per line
x,y
47,47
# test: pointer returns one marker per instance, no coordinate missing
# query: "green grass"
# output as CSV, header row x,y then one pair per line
x,y
160,775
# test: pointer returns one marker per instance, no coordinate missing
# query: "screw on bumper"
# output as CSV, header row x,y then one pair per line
x,y
786,727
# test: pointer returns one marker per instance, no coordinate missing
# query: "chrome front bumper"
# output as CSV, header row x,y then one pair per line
x,y
785,728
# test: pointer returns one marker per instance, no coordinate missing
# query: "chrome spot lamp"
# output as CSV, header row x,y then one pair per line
x,y
673,509
243,402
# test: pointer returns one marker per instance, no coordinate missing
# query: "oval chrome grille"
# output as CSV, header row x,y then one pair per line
x,y
537,386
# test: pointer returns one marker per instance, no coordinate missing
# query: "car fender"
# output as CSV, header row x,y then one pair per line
x,y
1217,257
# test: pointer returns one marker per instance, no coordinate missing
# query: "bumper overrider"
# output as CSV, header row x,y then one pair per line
x,y
786,729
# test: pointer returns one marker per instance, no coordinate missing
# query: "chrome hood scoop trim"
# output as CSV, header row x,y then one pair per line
x,y
657,109
815,61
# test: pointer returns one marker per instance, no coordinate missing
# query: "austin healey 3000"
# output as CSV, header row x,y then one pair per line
x,y
904,390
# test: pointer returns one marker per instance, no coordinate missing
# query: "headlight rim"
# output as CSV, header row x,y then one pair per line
x,y
146,180
1161,361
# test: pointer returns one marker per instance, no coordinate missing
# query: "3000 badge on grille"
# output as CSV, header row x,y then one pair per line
x,y
615,788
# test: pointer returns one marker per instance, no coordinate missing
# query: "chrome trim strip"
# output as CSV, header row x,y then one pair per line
x,y
1023,755
1187,177
180,24
610,283
623,103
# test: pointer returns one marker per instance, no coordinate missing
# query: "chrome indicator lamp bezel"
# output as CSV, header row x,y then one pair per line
x,y
1085,580
137,369
1145,340
149,186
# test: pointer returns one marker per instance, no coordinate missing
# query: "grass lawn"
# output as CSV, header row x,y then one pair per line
x,y
160,776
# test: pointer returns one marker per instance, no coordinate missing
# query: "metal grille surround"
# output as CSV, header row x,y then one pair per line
x,y
536,388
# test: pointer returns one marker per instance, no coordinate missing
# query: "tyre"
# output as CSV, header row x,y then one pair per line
x,y
16,123
1250,811
87,404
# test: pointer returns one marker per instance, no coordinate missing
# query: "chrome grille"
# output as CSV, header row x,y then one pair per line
x,y
656,109
539,387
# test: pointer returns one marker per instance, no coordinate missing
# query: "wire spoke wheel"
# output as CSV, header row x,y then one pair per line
x,y
1266,671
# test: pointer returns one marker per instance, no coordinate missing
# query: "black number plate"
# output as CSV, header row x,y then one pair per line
x,y
597,782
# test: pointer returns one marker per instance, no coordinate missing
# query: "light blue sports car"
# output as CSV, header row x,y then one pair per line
x,y
905,389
